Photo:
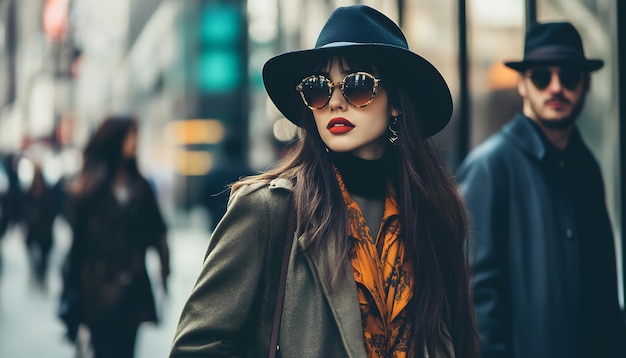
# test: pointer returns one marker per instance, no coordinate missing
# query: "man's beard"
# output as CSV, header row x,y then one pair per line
x,y
567,121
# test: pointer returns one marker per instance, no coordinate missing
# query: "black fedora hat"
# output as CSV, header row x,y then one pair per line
x,y
554,43
366,32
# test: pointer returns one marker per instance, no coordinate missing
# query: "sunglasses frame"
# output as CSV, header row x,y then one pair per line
x,y
558,71
331,87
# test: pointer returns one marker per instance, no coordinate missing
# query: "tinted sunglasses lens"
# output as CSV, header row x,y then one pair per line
x,y
541,77
570,77
315,91
359,89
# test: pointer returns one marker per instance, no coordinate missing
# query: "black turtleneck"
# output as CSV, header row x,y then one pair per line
x,y
366,178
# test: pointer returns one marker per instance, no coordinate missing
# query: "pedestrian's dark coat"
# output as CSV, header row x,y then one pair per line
x,y
107,258
39,211
527,294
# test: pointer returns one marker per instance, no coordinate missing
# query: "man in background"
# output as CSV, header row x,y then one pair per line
x,y
544,256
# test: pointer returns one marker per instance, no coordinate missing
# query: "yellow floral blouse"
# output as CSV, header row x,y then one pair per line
x,y
384,280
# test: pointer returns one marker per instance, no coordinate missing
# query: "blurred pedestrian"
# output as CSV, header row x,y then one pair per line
x,y
545,264
4,204
4,199
13,195
377,267
10,195
114,218
39,210
216,185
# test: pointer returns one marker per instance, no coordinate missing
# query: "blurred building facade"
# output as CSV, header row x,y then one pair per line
x,y
191,71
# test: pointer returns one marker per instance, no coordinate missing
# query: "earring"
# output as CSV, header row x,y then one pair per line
x,y
394,133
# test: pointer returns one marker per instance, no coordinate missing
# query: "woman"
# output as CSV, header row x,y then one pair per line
x,y
377,267
114,218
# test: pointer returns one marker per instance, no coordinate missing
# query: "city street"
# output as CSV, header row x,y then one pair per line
x,y
29,327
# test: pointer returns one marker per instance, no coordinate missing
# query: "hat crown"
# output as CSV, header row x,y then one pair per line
x,y
554,43
559,37
360,24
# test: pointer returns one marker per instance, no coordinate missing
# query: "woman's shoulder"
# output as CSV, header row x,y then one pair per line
x,y
261,205
261,189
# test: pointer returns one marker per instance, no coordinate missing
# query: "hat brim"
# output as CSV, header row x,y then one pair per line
x,y
588,65
426,87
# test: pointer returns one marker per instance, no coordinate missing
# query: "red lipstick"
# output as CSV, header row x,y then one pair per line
x,y
339,125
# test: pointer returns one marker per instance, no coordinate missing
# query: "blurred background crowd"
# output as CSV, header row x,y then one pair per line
x,y
190,72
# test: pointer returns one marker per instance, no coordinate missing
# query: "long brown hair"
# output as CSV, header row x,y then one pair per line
x,y
102,155
433,220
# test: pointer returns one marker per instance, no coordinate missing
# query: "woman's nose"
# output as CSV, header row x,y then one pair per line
x,y
337,101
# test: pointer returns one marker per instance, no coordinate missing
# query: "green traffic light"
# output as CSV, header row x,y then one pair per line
x,y
220,25
219,70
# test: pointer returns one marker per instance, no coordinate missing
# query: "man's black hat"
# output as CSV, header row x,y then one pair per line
x,y
366,32
555,43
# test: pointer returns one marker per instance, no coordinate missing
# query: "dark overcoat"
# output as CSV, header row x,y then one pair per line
x,y
527,289
106,265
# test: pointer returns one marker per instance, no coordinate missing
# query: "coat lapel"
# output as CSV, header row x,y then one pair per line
x,y
342,298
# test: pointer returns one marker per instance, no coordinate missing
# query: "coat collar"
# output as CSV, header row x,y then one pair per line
x,y
342,297
523,133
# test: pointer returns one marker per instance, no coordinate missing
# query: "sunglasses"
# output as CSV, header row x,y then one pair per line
x,y
359,89
569,77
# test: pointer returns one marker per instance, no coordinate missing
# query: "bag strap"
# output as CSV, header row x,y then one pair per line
x,y
280,297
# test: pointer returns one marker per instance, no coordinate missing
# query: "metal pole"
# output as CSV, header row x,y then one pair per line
x,y
9,11
464,103
531,12
620,31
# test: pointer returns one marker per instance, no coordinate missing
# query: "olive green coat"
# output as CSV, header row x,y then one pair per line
x,y
230,310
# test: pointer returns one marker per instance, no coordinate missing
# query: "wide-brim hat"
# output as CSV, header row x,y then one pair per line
x,y
555,43
363,31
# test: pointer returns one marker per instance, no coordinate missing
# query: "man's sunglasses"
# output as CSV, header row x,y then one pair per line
x,y
359,89
569,77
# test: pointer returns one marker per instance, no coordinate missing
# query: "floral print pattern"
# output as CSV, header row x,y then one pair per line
x,y
384,280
